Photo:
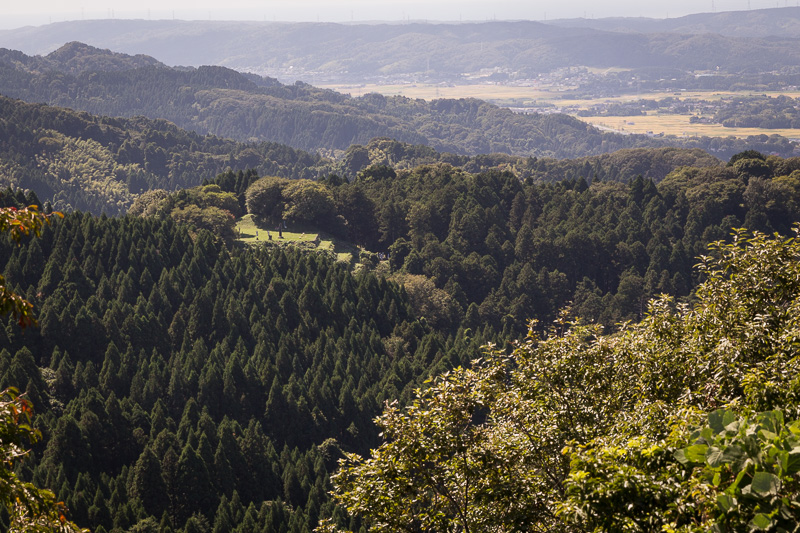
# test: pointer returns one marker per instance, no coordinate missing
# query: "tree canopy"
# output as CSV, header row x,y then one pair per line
x,y
30,509
19,223
684,422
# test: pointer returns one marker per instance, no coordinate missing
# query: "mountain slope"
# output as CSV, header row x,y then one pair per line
x,y
247,107
223,102
214,377
100,164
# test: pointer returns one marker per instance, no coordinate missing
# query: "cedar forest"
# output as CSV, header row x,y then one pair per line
x,y
521,343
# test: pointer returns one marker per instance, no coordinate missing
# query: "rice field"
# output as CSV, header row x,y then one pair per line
x,y
679,125
490,93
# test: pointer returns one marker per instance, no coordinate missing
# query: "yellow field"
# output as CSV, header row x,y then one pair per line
x,y
679,125
492,93
511,96
678,95
542,94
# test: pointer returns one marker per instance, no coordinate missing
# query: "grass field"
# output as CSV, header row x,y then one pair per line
x,y
511,96
679,125
295,235
541,94
678,95
490,93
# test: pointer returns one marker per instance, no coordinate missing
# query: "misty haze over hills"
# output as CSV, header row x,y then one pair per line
x,y
762,23
327,52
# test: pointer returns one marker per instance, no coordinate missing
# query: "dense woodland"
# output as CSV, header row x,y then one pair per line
x,y
622,165
175,372
99,164
186,382
174,377
684,422
506,251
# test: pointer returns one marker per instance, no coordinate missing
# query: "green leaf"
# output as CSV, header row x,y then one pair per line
x,y
714,456
732,454
692,454
760,522
767,435
720,419
715,420
771,420
793,463
781,458
725,502
765,484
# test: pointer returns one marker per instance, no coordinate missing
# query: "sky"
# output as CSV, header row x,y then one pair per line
x,y
14,14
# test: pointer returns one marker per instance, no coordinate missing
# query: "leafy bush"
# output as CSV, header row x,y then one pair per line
x,y
732,473
607,433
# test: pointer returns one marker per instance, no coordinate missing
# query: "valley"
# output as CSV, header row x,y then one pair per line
x,y
273,277
554,98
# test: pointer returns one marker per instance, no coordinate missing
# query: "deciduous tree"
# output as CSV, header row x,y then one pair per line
x,y
611,433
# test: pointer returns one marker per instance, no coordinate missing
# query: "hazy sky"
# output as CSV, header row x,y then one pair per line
x,y
36,12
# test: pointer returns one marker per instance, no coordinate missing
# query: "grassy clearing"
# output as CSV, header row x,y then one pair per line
x,y
251,233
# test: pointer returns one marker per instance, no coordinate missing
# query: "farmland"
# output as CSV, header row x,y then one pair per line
x,y
562,98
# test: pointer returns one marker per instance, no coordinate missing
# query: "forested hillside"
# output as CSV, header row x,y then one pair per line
x,y
75,58
504,251
188,384
685,422
622,165
229,104
179,382
99,164
250,108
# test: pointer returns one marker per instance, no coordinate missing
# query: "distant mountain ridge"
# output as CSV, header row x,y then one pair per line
x,y
321,52
246,107
75,57
779,22
223,102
